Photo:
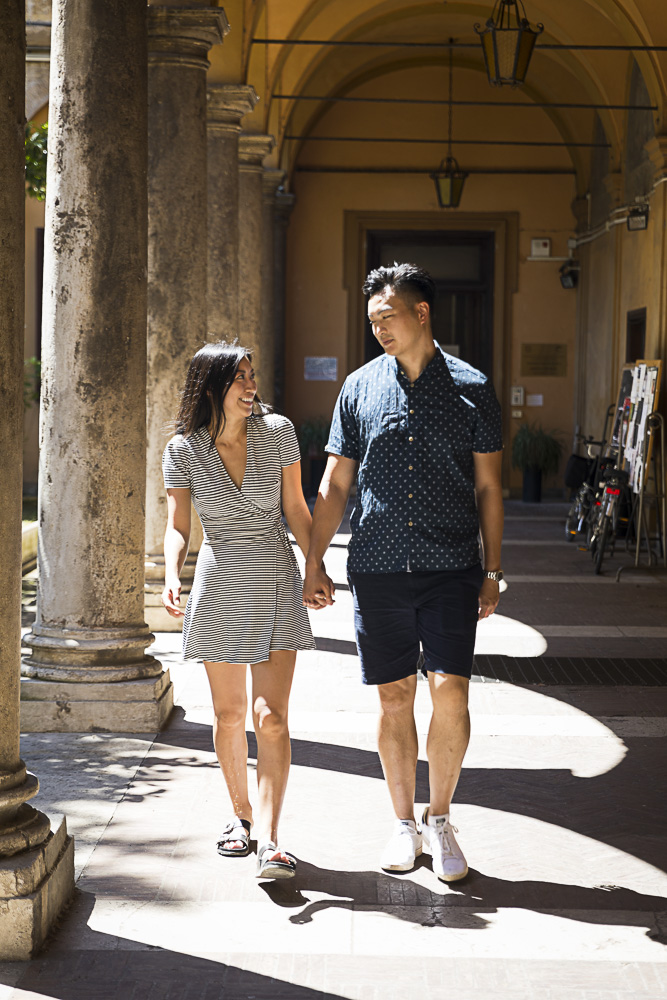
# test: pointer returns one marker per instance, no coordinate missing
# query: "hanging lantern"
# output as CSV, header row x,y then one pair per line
x,y
507,47
449,178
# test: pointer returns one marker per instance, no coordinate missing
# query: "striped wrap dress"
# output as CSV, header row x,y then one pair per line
x,y
246,597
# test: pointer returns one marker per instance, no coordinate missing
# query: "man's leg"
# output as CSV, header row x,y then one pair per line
x,y
448,737
397,742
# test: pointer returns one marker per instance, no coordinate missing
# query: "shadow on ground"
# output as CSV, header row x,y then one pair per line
x,y
122,969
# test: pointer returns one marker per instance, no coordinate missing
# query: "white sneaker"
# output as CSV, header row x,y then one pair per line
x,y
449,863
405,845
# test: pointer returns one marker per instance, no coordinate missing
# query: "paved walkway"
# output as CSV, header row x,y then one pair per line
x,y
561,809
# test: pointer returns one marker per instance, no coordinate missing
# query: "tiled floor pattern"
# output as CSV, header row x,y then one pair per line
x,y
561,809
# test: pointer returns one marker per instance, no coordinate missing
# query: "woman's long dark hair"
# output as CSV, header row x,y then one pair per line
x,y
211,373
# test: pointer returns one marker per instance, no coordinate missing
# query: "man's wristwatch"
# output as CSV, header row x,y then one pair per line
x,y
493,574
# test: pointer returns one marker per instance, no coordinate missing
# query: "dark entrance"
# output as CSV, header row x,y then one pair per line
x,y
635,337
461,264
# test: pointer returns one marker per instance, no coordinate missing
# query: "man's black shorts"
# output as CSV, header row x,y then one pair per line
x,y
395,612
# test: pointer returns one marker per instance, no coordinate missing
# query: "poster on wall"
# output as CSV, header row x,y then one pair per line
x,y
637,407
622,407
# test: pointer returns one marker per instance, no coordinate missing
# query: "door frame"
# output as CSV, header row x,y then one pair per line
x,y
486,284
504,226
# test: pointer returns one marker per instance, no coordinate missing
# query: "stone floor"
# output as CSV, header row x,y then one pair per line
x,y
561,809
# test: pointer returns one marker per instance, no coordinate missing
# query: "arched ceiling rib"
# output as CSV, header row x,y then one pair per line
x,y
555,75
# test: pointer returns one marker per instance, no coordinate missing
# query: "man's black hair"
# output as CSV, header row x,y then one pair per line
x,y
407,280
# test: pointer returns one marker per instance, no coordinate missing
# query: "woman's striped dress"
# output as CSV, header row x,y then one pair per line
x,y
246,596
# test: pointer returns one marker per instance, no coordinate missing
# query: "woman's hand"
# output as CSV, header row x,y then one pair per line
x,y
171,597
318,588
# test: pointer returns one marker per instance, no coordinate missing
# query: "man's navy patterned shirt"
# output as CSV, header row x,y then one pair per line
x,y
414,442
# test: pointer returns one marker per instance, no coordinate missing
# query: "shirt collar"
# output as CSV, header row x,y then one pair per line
x,y
436,370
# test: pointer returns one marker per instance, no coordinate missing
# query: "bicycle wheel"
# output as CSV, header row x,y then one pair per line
x,y
601,543
592,524
572,519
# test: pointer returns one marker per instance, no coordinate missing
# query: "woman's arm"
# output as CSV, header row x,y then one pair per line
x,y
295,507
176,541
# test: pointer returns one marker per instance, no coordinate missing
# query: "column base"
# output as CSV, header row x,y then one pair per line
x,y
34,887
139,706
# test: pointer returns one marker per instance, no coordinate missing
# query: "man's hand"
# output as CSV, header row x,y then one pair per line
x,y
489,595
318,588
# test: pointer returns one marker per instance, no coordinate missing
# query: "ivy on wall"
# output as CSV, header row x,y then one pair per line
x,y
35,160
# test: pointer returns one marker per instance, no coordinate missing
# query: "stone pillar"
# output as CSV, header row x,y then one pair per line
x,y
283,209
88,667
227,104
271,182
178,43
252,150
36,862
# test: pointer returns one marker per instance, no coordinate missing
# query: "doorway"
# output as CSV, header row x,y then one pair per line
x,y
635,335
462,266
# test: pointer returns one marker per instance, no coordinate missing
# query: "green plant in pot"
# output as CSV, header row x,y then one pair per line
x,y
313,436
536,453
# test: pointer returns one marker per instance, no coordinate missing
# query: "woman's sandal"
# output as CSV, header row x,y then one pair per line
x,y
238,829
268,868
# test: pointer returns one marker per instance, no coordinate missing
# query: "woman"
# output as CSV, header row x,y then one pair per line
x,y
238,462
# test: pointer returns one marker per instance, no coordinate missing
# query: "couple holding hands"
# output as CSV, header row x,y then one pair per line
x,y
420,433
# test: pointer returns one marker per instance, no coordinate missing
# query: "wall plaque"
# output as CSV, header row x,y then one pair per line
x,y
320,369
548,360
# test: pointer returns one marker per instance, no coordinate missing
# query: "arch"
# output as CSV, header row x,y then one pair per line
x,y
614,24
385,66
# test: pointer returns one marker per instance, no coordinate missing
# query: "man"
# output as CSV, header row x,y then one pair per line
x,y
421,432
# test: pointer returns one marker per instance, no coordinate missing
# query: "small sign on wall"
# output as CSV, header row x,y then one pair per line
x,y
544,360
320,369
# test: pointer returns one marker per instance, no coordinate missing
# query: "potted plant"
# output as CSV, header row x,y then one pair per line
x,y
535,452
313,436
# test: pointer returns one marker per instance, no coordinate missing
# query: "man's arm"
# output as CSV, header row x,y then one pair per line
x,y
489,495
340,473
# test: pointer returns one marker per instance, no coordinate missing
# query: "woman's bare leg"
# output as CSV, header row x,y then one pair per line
x,y
271,685
230,703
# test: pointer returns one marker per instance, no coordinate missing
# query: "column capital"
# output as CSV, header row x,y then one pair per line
x,y
283,206
272,181
226,104
580,209
656,149
253,147
182,36
613,184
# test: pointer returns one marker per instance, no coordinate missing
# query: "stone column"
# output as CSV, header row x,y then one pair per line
x,y
227,104
283,209
36,862
252,150
178,43
88,668
271,182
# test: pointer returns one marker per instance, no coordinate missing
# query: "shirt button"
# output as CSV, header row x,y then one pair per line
x,y
412,411
410,468
409,496
410,523
410,439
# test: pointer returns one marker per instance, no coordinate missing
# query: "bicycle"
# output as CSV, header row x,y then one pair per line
x,y
616,494
585,499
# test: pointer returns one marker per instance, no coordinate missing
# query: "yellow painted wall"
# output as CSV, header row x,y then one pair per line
x,y
621,271
317,301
